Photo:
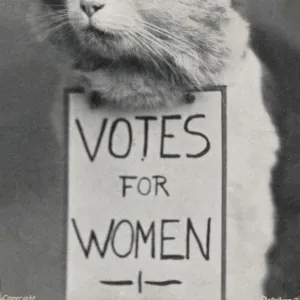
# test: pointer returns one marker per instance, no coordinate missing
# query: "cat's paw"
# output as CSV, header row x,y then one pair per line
x,y
94,97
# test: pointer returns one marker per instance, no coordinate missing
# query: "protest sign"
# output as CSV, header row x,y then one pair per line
x,y
146,200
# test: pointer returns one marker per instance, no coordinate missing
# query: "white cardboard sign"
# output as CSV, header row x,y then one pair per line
x,y
146,201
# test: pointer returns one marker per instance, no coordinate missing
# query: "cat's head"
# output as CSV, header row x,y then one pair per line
x,y
189,34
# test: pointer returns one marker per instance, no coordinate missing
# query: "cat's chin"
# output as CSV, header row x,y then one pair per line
x,y
105,44
93,36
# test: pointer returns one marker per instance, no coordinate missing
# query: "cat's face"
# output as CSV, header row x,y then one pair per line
x,y
189,33
120,26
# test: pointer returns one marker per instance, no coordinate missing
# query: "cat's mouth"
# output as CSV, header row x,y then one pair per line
x,y
106,43
93,33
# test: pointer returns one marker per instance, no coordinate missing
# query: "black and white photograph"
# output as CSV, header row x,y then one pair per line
x,y
149,149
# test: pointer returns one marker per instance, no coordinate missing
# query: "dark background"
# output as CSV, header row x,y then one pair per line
x,y
31,176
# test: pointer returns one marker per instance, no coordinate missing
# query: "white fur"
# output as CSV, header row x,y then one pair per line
x,y
252,144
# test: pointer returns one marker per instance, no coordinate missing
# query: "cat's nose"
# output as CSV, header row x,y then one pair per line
x,y
90,7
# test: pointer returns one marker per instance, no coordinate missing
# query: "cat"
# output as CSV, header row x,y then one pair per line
x,y
142,54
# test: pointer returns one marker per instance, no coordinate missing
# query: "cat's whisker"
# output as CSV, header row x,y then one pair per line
x,y
49,24
139,43
176,49
48,18
166,46
168,49
54,14
54,25
159,54
142,44
160,29
53,29
152,53
173,50
197,80
45,22
165,32
159,50
167,43
185,42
